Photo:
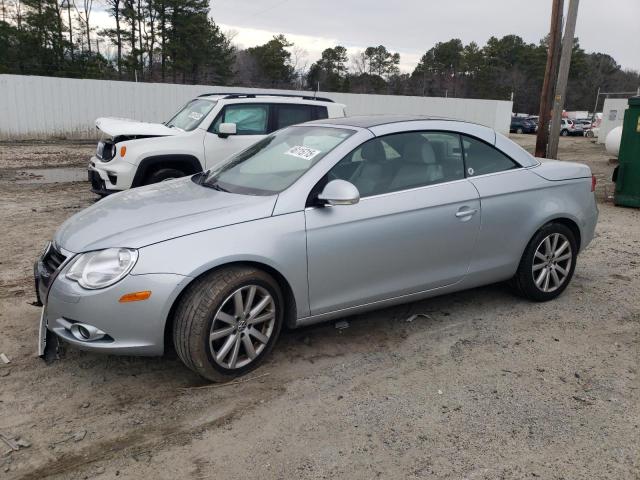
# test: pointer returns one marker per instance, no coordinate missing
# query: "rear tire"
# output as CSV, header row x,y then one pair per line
x,y
207,317
547,264
163,174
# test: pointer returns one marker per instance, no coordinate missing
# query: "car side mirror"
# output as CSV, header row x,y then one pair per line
x,y
339,192
226,129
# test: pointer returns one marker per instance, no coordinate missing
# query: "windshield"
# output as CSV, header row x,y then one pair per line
x,y
191,114
275,162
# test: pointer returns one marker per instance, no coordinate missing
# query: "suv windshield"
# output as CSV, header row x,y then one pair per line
x,y
275,162
191,114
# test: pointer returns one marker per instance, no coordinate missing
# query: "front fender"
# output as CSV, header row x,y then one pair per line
x,y
278,242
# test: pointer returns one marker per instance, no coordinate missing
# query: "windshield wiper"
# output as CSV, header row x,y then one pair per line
x,y
215,186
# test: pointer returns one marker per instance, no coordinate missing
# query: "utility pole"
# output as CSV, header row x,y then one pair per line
x,y
595,108
549,75
563,76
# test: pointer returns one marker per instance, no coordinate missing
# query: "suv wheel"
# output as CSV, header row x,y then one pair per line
x,y
227,322
520,130
547,265
162,175
564,132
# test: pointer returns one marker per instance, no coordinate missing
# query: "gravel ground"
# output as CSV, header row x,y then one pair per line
x,y
484,385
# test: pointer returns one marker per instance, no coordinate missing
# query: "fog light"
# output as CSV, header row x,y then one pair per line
x,y
86,333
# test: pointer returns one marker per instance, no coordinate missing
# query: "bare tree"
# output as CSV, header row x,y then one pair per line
x,y
140,22
114,8
66,4
359,63
151,37
300,64
84,18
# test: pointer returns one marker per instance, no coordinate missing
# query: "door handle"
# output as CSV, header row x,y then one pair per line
x,y
466,213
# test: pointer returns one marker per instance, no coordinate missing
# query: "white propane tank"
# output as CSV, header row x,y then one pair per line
x,y
612,142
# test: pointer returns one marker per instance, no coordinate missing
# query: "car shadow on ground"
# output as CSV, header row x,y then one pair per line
x,y
364,333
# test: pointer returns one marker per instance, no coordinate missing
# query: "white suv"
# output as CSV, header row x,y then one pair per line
x,y
206,131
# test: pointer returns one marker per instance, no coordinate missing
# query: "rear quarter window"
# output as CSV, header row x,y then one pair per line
x,y
291,114
481,158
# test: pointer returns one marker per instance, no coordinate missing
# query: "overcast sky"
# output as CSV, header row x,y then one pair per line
x,y
411,27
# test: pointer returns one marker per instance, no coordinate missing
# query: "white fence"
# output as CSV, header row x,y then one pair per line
x,y
44,107
612,116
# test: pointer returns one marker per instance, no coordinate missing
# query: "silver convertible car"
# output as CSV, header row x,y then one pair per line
x,y
314,222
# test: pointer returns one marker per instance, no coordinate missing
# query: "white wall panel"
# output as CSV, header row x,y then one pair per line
x,y
612,116
34,107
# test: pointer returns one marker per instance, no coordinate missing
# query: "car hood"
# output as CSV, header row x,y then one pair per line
x,y
125,126
142,216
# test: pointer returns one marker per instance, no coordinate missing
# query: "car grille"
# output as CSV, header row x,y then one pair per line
x,y
52,260
45,269
97,184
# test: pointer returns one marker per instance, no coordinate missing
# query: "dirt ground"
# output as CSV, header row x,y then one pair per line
x,y
483,386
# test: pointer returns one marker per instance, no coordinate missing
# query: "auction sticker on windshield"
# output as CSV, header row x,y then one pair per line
x,y
305,153
195,115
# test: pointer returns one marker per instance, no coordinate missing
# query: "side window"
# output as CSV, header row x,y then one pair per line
x,y
321,113
292,114
481,158
402,161
250,119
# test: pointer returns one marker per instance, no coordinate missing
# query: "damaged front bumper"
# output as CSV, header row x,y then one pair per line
x,y
96,320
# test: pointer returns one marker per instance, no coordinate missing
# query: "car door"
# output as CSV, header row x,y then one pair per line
x,y
413,230
507,193
252,124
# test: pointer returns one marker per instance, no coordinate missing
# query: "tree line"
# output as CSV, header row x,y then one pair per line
x,y
177,41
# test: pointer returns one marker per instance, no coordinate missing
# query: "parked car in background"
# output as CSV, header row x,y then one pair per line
x,y
592,132
569,127
314,222
206,131
522,125
594,128
585,123
535,119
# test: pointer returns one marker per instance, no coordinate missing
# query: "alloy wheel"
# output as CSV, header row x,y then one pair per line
x,y
552,262
242,327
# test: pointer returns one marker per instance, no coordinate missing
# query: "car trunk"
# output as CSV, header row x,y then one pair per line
x,y
556,170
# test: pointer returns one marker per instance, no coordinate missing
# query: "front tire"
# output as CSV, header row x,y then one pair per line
x,y
519,131
564,133
547,264
227,322
163,174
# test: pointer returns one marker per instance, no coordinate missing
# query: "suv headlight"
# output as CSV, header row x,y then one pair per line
x,y
106,150
102,268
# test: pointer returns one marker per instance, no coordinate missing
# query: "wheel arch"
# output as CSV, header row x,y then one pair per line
x,y
568,222
290,313
184,162
571,225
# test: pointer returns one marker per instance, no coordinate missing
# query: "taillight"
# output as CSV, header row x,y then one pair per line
x,y
593,183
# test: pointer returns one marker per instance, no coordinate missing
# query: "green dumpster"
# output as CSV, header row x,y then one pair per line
x,y
627,175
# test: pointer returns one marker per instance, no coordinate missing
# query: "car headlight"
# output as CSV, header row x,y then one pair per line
x,y
102,268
